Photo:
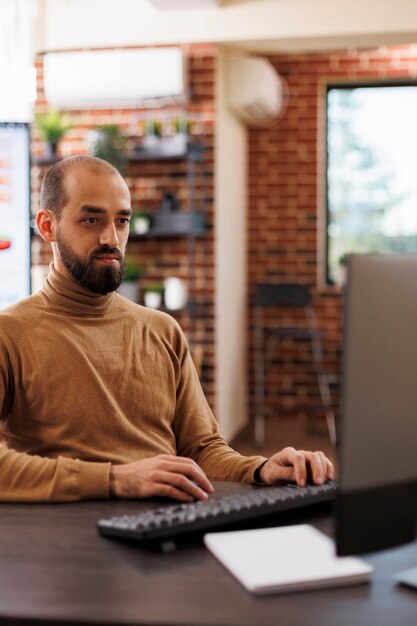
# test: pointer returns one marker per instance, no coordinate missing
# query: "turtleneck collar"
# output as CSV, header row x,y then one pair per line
x,y
65,293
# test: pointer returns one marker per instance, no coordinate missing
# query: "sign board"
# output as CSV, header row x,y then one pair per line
x,y
14,213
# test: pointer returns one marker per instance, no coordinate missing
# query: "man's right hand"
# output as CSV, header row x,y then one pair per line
x,y
164,475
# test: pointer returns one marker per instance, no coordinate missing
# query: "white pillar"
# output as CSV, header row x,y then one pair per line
x,y
230,255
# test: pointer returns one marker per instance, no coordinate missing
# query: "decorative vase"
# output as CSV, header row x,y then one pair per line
x,y
51,149
175,294
152,299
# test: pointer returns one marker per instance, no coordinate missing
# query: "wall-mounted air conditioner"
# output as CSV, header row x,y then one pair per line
x,y
113,78
256,93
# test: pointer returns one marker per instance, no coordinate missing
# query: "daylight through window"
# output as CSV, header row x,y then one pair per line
x,y
371,172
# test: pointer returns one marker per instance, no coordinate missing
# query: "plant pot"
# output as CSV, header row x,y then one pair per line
x,y
175,294
341,275
141,224
152,299
51,149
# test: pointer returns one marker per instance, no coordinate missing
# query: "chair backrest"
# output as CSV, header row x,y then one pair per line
x,y
282,294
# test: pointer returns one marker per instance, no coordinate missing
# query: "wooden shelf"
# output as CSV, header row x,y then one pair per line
x,y
174,224
192,151
45,160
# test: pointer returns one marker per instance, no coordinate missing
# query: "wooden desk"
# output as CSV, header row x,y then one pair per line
x,y
56,569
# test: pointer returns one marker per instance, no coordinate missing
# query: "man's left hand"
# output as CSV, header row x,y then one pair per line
x,y
297,466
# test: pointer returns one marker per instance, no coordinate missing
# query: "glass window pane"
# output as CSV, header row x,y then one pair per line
x,y
371,171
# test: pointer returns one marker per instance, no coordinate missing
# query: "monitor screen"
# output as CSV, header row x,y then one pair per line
x,y
14,213
377,505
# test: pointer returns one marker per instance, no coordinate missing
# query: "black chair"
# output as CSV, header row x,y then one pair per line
x,y
267,336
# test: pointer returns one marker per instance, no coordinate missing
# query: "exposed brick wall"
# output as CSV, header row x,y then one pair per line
x,y
285,194
286,207
147,182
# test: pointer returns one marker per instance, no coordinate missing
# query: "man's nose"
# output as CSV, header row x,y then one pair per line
x,y
109,236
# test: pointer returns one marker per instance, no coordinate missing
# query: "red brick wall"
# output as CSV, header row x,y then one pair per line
x,y
147,182
286,206
286,203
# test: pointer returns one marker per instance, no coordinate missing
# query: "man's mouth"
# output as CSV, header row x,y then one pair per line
x,y
107,258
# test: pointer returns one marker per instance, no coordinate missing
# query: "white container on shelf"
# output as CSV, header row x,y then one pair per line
x,y
175,294
152,299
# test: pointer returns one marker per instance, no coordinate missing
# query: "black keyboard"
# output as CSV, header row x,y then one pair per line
x,y
172,522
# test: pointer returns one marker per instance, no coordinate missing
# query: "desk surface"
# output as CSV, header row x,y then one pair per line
x,y
56,569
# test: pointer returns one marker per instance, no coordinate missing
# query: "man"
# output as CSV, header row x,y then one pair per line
x,y
99,396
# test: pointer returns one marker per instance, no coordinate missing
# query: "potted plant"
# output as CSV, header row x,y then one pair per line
x,y
140,223
129,287
152,295
153,127
342,269
176,144
152,136
52,126
183,125
109,143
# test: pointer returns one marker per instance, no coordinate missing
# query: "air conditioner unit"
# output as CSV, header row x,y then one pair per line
x,y
256,93
113,78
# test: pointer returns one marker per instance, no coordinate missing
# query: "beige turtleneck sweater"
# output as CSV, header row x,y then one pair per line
x,y
89,380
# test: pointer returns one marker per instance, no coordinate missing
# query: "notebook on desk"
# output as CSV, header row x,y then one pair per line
x,y
289,558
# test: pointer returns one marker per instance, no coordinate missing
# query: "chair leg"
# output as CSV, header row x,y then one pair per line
x,y
259,381
325,395
328,407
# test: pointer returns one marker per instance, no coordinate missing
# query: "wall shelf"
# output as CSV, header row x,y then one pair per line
x,y
189,224
45,160
174,225
168,151
192,151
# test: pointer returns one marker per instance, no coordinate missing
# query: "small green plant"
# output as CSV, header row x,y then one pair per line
x,y
183,125
153,127
52,126
153,287
343,259
110,145
133,271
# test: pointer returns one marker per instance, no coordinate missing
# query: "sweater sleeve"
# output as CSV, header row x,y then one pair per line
x,y
197,432
30,478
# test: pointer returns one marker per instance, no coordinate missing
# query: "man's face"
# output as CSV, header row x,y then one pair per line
x,y
93,229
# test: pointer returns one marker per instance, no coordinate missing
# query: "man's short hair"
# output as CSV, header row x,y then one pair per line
x,y
53,195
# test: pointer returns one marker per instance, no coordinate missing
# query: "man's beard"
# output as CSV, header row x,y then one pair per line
x,y
100,280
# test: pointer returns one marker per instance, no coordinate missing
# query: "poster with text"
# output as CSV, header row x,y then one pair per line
x,y
14,213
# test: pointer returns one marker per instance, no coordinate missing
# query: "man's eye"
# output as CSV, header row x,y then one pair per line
x,y
124,221
91,220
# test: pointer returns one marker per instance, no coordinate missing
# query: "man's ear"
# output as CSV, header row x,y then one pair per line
x,y
46,223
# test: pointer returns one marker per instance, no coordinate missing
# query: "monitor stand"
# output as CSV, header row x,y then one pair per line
x,y
408,577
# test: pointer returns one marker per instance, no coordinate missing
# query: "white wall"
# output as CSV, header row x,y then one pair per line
x,y
230,254
260,24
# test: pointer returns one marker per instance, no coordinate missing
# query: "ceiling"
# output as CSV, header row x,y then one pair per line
x,y
165,5
259,26
172,5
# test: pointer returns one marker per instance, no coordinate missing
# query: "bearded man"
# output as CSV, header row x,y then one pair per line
x,y
99,396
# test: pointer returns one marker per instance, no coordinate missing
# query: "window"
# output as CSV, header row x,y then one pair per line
x,y
371,171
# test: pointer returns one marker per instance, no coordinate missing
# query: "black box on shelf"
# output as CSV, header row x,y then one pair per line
x,y
181,223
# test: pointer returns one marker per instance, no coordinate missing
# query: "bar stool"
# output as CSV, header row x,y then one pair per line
x,y
266,338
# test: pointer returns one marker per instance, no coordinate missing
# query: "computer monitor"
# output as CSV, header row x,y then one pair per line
x,y
377,505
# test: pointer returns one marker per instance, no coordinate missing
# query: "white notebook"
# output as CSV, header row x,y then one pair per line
x,y
289,558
